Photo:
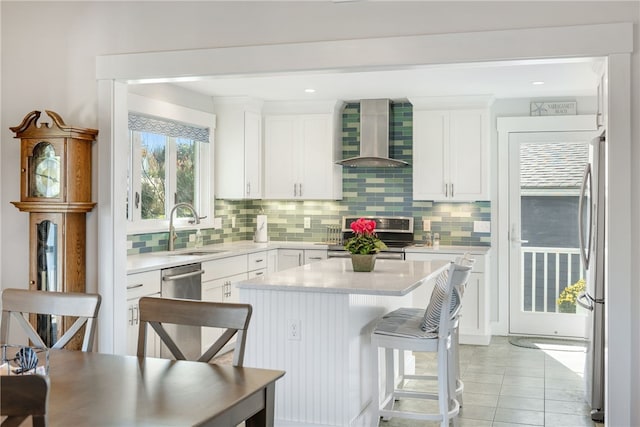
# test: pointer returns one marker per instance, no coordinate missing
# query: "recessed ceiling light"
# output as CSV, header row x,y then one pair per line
x,y
310,90
537,83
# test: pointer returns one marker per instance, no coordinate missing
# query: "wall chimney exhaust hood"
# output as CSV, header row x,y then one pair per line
x,y
374,137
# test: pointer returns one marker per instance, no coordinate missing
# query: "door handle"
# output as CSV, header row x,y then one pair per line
x,y
580,300
513,238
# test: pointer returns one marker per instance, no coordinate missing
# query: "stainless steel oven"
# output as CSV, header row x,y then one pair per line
x,y
395,231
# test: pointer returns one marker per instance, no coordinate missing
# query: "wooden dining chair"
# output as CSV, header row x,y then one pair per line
x,y
18,302
159,311
24,396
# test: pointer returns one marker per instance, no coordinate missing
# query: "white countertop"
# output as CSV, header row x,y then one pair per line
x,y
335,275
165,259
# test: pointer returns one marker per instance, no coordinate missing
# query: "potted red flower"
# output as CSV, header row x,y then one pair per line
x,y
364,245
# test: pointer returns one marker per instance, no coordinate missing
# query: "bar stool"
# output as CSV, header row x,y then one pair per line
x,y
403,331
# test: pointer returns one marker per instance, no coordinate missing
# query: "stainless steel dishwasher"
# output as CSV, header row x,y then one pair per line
x,y
183,282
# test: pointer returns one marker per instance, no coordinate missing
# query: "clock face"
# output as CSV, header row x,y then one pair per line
x,y
47,177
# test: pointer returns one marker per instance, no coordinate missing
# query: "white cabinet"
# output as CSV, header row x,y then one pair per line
x,y
450,155
314,255
474,315
140,285
238,148
300,154
258,264
218,282
289,258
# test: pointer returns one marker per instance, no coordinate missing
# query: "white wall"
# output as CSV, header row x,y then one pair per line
x,y
49,50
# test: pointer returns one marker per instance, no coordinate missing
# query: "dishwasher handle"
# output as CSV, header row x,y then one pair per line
x,y
169,278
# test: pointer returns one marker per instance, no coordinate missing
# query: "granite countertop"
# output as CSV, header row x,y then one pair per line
x,y
335,275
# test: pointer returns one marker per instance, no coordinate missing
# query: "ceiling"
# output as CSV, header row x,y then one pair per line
x,y
506,79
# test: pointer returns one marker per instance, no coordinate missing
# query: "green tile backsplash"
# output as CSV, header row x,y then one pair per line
x,y
366,191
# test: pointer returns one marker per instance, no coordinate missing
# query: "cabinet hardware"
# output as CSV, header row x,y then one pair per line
x,y
137,285
315,257
452,189
446,190
300,189
259,260
259,273
131,316
248,188
182,276
135,309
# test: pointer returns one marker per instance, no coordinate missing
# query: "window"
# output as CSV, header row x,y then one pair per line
x,y
170,163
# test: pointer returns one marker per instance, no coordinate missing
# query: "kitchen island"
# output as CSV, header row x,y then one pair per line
x,y
315,322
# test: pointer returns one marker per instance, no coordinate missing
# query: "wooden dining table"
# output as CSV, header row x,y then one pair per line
x,y
94,389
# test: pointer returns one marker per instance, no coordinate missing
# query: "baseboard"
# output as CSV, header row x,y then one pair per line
x,y
475,339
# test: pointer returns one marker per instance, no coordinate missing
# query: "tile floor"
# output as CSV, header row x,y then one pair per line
x,y
509,386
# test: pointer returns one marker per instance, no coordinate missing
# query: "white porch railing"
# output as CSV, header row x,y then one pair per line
x,y
555,258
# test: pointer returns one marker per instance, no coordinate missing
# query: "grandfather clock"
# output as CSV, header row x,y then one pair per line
x,y
55,189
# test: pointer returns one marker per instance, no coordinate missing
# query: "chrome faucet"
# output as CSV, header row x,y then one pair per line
x,y
172,229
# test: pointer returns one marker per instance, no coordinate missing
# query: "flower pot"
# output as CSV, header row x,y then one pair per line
x,y
363,263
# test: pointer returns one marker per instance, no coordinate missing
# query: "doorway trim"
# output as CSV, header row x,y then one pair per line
x,y
508,129
615,41
506,126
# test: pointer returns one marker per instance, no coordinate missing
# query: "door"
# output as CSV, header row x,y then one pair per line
x,y
546,272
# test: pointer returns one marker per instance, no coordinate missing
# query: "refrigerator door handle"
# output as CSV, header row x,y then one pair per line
x,y
584,301
585,247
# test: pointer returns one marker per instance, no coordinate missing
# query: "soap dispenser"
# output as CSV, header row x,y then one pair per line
x,y
199,239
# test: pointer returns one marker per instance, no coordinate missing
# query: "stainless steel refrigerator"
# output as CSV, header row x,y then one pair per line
x,y
592,248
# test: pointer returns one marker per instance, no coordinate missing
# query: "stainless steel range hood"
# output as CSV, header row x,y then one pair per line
x,y
374,137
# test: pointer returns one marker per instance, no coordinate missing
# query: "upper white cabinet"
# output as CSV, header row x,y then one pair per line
x,y
300,151
238,148
450,153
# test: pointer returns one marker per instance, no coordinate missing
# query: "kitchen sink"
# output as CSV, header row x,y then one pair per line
x,y
201,252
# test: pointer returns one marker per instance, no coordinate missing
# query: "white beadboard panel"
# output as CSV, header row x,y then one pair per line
x,y
328,378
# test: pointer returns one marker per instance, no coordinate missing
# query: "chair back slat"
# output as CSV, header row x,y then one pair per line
x,y
84,307
22,396
156,312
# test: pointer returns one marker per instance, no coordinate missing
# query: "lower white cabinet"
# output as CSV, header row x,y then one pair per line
x,y
289,258
474,315
217,286
314,255
140,285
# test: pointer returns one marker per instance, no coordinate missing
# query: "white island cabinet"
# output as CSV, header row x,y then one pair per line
x,y
315,323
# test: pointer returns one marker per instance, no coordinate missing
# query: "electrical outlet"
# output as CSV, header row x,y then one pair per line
x,y
307,222
481,226
293,330
217,223
233,222
426,224
192,237
129,244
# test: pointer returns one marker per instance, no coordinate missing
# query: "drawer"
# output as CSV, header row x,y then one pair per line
x,y
478,267
141,284
224,267
257,273
257,261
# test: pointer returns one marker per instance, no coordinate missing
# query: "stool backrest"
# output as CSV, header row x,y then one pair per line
x,y
443,296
